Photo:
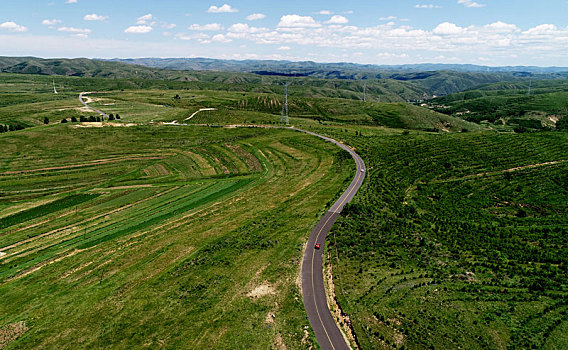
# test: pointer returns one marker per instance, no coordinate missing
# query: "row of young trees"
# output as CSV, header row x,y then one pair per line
x,y
83,119
11,127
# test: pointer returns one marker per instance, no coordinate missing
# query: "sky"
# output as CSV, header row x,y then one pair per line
x,y
484,32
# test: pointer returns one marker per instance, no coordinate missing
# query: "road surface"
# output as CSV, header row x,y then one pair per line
x,y
86,105
327,333
201,110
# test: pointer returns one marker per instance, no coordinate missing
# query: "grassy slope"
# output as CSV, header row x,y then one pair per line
x,y
164,255
396,164
509,103
443,248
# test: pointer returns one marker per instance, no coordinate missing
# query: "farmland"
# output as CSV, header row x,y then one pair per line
x,y
158,229
132,232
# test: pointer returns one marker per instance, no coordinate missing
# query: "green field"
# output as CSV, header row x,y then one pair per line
x,y
134,233
163,236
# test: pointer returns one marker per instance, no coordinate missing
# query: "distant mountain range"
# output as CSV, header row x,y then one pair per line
x,y
403,82
305,67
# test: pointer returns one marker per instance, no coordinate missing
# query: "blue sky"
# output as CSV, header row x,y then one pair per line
x,y
488,32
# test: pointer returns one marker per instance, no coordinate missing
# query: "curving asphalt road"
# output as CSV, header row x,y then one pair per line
x,y
327,333
86,105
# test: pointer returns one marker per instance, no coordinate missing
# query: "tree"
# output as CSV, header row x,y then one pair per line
x,y
111,116
92,119
99,119
73,119
83,119
46,120
1,129
64,120
117,116
562,124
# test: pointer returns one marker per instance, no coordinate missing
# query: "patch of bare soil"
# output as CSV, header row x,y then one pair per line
x,y
11,332
101,124
262,290
279,342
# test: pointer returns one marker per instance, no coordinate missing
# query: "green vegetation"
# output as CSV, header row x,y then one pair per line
x,y
510,104
159,239
456,240
143,233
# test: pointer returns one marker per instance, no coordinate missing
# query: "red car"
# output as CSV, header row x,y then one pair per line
x,y
317,246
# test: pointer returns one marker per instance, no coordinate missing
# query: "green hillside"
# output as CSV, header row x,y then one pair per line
x,y
532,105
28,99
456,241
144,233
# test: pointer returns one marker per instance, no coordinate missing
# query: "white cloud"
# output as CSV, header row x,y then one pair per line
x,y
80,35
255,16
543,29
13,27
284,48
50,22
448,28
95,17
138,29
389,18
223,9
337,19
499,42
168,25
244,31
144,19
220,38
391,55
196,36
70,1
74,30
296,21
470,3
502,27
325,12
206,27
426,6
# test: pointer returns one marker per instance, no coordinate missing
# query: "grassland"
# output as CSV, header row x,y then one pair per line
x,y
190,236
159,236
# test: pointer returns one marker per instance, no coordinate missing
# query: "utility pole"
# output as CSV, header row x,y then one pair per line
x,y
284,116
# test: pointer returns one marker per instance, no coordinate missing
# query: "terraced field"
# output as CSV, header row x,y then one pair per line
x,y
456,241
159,235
